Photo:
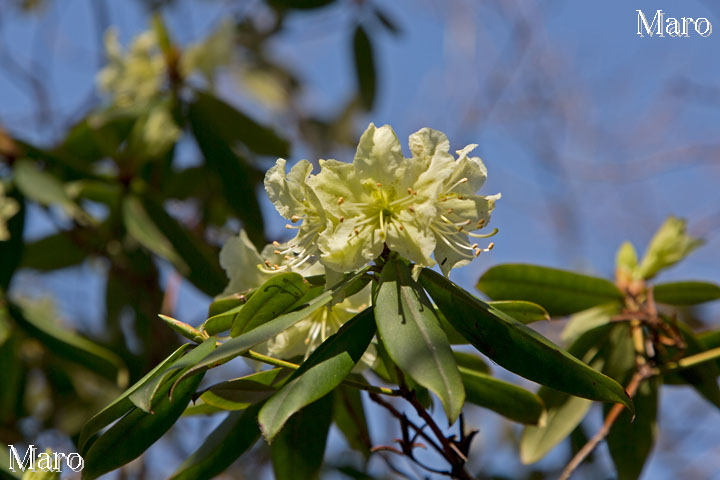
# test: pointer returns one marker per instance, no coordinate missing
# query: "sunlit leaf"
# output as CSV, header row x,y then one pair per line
x,y
518,348
522,311
686,293
325,368
411,333
349,416
560,292
270,300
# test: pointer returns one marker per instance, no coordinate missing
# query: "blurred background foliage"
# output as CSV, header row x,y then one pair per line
x,y
117,203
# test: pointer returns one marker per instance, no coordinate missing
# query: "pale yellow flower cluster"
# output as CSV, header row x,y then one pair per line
x,y
419,207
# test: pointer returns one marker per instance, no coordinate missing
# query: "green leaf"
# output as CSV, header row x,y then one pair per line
x,y
559,291
240,393
630,441
273,298
501,397
686,293
64,343
135,432
238,177
710,339
522,311
195,259
241,344
45,189
564,412
703,377
56,251
471,361
233,437
122,404
586,320
144,396
298,450
142,228
518,348
349,416
364,67
231,125
411,333
325,369
98,136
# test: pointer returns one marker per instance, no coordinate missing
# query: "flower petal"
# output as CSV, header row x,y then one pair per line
x,y
379,158
285,191
240,260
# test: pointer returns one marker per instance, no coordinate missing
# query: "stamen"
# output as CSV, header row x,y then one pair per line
x,y
484,235
276,243
340,200
378,184
409,191
294,218
342,219
411,209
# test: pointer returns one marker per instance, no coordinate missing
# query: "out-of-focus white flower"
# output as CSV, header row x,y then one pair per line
x,y
134,77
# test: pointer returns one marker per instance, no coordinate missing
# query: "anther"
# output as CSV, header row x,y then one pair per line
x,y
340,200
357,232
411,209
267,263
342,219
451,210
409,191
401,227
277,252
378,184
294,218
276,243
490,247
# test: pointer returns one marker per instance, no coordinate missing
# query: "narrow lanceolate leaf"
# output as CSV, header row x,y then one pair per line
x,y
144,397
560,292
630,441
518,348
522,311
564,412
272,299
203,267
233,437
66,344
135,432
364,67
122,404
240,393
472,362
324,369
411,333
703,377
45,189
241,344
686,293
501,397
44,254
298,450
349,416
